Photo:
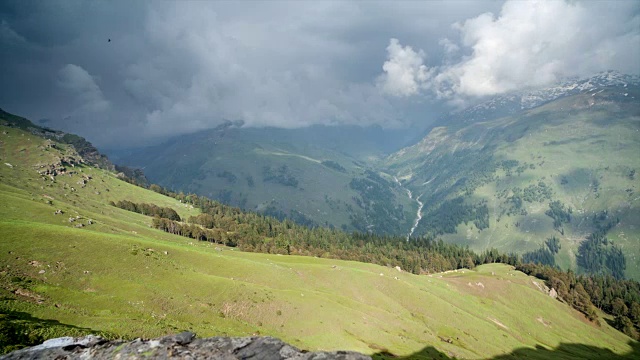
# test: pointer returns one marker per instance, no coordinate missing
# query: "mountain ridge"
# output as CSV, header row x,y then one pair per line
x,y
574,149
515,101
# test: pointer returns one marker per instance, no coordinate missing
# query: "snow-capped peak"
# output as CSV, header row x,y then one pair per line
x,y
510,103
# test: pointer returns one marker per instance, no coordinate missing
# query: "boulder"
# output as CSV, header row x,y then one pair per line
x,y
181,346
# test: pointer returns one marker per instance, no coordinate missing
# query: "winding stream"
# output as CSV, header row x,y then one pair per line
x,y
418,217
419,212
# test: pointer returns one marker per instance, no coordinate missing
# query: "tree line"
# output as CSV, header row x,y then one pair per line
x,y
585,293
147,209
269,235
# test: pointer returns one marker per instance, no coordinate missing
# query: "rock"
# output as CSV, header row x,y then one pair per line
x,y
181,346
184,338
399,268
42,271
553,293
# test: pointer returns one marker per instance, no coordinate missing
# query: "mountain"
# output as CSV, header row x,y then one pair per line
x,y
315,176
75,264
517,101
526,167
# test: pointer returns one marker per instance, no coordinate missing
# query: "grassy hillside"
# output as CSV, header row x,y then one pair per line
x,y
119,276
490,184
283,173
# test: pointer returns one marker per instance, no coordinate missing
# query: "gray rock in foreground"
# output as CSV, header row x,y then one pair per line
x,y
180,346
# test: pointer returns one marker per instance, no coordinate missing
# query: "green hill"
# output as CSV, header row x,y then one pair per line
x,y
117,275
566,169
301,174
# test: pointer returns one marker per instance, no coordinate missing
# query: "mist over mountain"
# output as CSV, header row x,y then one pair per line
x,y
127,75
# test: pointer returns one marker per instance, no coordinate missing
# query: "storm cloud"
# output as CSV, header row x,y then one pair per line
x,y
131,73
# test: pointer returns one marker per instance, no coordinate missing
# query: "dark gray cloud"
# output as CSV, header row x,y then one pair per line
x,y
179,67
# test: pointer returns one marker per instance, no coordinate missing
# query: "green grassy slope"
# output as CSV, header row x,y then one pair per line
x,y
120,276
583,149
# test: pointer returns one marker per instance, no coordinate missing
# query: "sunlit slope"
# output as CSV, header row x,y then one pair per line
x,y
128,285
581,151
119,275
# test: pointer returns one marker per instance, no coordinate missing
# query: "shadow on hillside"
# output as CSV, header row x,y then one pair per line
x,y
10,316
564,351
20,329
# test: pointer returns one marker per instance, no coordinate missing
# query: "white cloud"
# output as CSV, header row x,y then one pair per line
x,y
404,70
83,87
534,43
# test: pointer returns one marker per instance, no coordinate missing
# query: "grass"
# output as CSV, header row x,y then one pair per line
x,y
305,301
120,277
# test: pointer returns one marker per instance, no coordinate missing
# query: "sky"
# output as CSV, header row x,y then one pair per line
x,y
132,73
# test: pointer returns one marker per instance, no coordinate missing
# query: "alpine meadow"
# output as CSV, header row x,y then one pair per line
x,y
320,180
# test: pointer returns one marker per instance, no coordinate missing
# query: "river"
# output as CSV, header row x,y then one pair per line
x,y
418,213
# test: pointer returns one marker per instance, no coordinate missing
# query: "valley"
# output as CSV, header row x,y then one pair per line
x,y
89,267
483,177
304,175
74,263
311,180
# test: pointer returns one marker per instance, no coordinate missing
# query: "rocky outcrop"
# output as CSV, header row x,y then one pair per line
x,y
85,149
181,346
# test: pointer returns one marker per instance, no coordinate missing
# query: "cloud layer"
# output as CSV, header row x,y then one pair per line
x,y
178,67
529,44
83,88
